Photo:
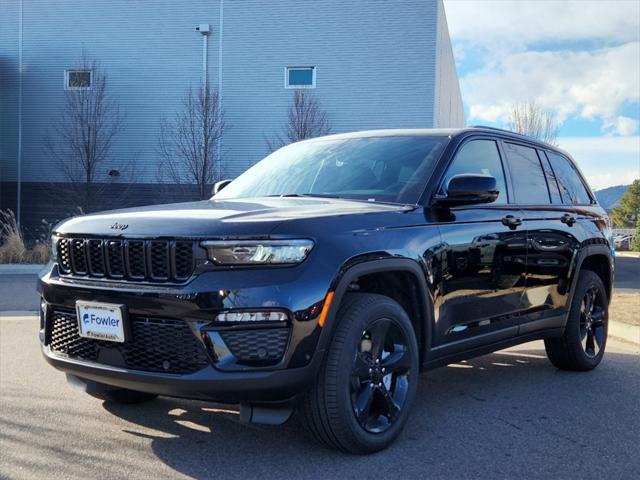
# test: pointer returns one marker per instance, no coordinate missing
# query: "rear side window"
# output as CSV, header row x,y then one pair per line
x,y
527,176
480,157
572,189
552,181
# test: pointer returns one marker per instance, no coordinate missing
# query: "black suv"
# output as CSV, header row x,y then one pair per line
x,y
327,276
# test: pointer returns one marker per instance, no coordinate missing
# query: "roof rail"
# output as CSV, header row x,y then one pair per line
x,y
528,137
497,129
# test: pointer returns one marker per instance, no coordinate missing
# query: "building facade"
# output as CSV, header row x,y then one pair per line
x,y
370,63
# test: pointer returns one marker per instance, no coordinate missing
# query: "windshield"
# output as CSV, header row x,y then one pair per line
x,y
385,169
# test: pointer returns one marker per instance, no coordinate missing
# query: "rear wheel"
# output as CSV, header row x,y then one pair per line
x,y
582,346
361,399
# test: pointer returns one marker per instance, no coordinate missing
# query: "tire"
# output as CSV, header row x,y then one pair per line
x,y
356,405
583,343
123,396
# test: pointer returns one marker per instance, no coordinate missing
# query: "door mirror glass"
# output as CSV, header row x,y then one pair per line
x,y
469,189
219,186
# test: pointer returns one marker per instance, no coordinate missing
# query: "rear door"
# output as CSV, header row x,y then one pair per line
x,y
550,218
482,259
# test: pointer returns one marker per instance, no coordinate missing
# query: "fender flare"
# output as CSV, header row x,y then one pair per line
x,y
349,273
583,254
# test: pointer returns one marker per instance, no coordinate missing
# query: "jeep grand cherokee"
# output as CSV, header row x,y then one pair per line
x,y
328,275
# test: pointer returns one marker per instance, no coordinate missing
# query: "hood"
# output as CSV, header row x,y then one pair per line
x,y
256,217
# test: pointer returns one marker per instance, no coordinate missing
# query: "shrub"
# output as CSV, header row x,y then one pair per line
x,y
12,245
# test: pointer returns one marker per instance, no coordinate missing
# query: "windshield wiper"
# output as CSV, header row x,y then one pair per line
x,y
319,195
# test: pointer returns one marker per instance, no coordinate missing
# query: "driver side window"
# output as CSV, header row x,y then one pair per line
x,y
479,157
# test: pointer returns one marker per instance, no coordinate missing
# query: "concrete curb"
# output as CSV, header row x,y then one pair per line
x,y
20,269
18,315
628,254
624,331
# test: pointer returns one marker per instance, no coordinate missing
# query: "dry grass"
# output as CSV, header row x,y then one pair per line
x,y
12,245
625,307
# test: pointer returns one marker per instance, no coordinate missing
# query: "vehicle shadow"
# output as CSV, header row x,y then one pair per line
x,y
489,402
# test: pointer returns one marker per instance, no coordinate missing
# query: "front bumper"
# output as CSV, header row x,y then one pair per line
x,y
225,378
206,384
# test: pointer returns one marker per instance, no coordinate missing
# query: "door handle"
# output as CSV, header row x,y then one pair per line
x,y
568,219
511,221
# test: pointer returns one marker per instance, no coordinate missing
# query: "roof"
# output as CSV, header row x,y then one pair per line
x,y
449,132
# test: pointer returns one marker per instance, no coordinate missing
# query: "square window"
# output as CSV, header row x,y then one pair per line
x,y
77,79
300,77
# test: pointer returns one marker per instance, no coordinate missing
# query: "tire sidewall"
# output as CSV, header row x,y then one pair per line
x,y
586,281
389,309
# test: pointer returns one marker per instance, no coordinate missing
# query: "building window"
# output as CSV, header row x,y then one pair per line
x,y
77,79
300,77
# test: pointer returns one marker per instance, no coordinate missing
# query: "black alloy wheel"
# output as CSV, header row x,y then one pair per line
x,y
380,376
582,344
361,399
592,318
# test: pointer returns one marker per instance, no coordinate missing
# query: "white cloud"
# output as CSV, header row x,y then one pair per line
x,y
605,161
622,126
514,24
591,85
575,58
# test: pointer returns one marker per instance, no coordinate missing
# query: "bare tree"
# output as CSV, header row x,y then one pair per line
x,y
188,144
82,137
305,119
529,118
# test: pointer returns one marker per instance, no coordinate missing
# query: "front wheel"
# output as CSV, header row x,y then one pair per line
x,y
361,399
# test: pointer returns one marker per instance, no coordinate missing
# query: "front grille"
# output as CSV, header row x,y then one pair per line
x,y
266,345
156,345
134,260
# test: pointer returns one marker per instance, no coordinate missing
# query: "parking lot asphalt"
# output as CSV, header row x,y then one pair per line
x,y
506,415
627,274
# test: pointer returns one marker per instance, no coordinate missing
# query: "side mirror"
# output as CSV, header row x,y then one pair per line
x,y
470,189
219,186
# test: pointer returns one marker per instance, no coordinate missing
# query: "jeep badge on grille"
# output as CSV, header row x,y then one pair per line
x,y
119,226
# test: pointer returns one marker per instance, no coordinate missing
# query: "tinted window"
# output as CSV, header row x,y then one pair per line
x,y
527,176
572,189
388,169
479,156
552,181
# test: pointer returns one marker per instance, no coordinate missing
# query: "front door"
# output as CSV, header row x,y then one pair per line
x,y
482,260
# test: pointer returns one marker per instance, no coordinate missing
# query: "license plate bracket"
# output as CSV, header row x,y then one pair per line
x,y
102,321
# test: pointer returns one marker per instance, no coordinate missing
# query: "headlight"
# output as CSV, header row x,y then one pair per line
x,y
54,249
258,252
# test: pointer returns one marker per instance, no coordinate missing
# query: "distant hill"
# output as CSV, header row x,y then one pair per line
x,y
610,196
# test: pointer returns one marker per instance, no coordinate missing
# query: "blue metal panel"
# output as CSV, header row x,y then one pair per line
x,y
375,68
8,89
449,111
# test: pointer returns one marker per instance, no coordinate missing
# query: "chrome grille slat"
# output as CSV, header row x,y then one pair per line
x,y
134,260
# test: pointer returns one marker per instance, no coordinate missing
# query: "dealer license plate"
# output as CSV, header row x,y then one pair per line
x,y
100,321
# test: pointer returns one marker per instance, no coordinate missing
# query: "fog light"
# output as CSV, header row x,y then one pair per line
x,y
251,317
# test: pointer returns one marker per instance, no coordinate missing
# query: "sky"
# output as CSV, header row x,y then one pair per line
x,y
579,60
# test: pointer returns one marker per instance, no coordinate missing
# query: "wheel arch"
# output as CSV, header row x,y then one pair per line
x,y
598,259
401,279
